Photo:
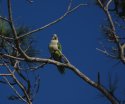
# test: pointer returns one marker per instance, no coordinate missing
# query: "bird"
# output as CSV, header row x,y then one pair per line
x,y
55,50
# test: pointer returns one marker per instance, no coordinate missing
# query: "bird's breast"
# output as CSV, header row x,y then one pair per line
x,y
53,47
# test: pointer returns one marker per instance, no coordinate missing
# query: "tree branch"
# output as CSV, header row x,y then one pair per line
x,y
20,85
117,41
11,19
5,74
80,74
13,88
69,10
5,19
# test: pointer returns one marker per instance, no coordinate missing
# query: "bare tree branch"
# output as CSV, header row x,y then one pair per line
x,y
6,38
5,19
10,56
11,19
117,41
73,68
80,74
109,2
69,10
13,88
107,53
20,85
100,3
5,74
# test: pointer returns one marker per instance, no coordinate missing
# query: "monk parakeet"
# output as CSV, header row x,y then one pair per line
x,y
56,51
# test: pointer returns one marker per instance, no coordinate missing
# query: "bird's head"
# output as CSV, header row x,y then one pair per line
x,y
54,37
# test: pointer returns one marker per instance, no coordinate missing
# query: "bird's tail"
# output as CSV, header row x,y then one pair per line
x,y
61,69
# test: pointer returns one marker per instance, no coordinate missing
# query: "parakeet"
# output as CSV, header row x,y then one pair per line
x,y
56,51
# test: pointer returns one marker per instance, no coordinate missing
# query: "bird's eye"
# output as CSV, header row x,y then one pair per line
x,y
54,38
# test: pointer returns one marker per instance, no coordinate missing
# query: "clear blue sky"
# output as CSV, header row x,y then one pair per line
x,y
80,35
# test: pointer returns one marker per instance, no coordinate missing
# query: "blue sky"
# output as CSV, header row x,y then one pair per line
x,y
79,34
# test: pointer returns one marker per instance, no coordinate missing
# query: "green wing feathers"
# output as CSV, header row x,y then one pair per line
x,y
58,57
59,47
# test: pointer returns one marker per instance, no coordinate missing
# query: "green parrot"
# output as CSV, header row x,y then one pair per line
x,y
56,51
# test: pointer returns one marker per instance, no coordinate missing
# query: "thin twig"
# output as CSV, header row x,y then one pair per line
x,y
107,53
5,19
117,39
10,56
20,85
11,19
13,88
5,74
100,3
53,22
108,3
5,38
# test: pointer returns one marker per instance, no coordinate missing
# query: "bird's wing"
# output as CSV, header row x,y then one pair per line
x,y
59,47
